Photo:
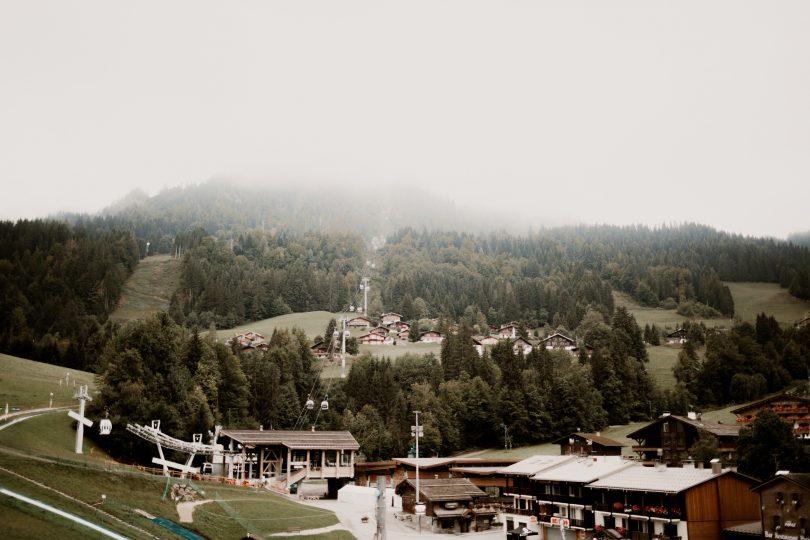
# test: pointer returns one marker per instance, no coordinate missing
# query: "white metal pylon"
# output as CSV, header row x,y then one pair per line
x,y
82,396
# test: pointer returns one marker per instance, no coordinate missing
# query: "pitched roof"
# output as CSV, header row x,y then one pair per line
x,y
534,464
444,489
715,428
765,401
593,437
316,440
585,469
429,463
661,479
557,334
800,479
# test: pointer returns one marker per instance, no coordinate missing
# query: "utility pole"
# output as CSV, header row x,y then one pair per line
x,y
380,508
343,335
419,508
364,286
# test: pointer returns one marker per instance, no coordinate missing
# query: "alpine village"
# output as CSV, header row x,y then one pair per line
x,y
219,362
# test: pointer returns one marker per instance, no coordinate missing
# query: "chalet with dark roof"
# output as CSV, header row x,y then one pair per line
x,y
431,336
558,341
793,410
678,336
588,444
669,438
320,350
453,505
521,346
785,503
509,331
359,322
390,318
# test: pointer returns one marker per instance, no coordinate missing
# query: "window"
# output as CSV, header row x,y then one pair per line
x,y
777,523
610,522
795,500
345,459
780,498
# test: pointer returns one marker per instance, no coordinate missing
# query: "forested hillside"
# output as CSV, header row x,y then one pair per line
x,y
58,284
252,254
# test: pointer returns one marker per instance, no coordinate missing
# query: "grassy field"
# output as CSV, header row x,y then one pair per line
x,y
663,318
313,323
149,289
749,300
662,358
28,384
753,298
42,449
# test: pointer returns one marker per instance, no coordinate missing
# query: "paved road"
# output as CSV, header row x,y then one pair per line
x,y
350,516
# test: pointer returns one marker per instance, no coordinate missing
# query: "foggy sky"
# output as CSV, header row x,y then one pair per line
x,y
598,112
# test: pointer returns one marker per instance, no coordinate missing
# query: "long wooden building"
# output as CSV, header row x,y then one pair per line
x,y
284,458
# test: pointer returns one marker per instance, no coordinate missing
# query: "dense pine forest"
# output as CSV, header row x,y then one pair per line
x,y
242,260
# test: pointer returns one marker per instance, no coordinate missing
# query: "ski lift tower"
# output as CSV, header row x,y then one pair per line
x,y
82,396
364,287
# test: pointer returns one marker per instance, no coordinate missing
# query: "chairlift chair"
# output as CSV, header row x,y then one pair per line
x,y
325,404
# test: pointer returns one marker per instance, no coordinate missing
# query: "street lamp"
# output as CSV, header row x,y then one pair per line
x,y
50,401
418,508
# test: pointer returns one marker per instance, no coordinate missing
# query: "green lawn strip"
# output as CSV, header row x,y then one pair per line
x,y
665,319
662,358
149,289
28,384
24,521
313,323
267,513
750,299
53,435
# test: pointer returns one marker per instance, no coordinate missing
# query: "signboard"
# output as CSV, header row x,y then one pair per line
x,y
420,431
562,523
419,508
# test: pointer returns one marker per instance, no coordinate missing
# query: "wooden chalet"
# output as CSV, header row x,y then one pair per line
x,y
672,503
249,341
320,350
366,473
283,458
358,322
405,335
588,444
441,467
509,331
785,503
391,318
487,341
431,336
381,330
399,326
521,346
793,410
676,337
372,338
558,341
669,438
452,505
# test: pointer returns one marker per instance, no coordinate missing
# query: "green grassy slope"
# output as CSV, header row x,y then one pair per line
x,y
663,318
41,450
27,384
149,289
753,298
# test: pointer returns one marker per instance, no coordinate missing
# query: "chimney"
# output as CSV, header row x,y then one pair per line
x,y
717,467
